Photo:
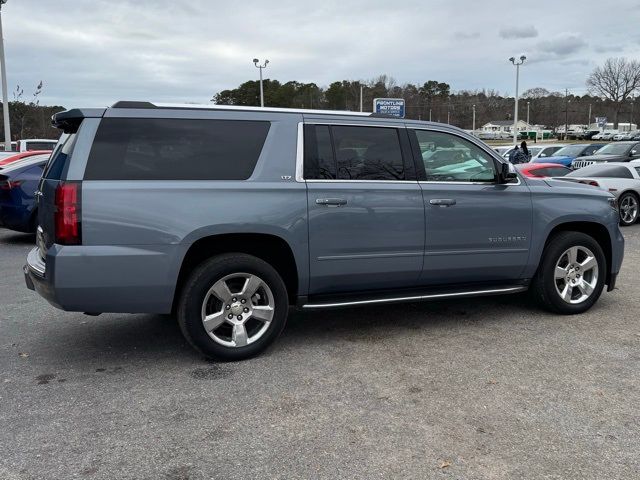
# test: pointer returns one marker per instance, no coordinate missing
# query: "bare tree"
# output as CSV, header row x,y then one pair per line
x,y
616,80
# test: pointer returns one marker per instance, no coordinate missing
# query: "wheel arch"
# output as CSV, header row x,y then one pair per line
x,y
597,231
271,248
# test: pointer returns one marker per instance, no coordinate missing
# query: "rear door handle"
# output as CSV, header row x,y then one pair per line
x,y
443,202
331,202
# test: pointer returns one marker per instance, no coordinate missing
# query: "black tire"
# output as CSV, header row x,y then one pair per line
x,y
195,289
622,198
544,284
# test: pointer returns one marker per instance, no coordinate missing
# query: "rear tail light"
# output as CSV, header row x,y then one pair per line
x,y
67,214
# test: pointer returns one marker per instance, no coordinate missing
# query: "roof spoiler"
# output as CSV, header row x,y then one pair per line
x,y
69,120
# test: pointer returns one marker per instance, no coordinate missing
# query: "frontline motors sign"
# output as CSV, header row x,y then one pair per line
x,y
389,106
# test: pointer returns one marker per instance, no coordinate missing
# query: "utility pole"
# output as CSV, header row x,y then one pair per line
x,y
473,127
429,114
515,116
5,99
566,113
256,62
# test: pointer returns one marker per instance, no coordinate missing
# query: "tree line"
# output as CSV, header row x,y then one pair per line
x,y
612,88
29,119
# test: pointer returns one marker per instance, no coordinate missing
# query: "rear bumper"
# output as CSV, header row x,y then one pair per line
x,y
104,278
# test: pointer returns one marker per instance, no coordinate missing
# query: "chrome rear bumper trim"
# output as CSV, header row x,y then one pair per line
x,y
35,263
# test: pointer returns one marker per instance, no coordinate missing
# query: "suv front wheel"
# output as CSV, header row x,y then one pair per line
x,y
233,306
572,273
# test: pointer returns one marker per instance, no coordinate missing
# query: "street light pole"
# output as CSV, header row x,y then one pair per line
x,y
256,62
473,127
527,114
589,122
515,116
361,87
5,100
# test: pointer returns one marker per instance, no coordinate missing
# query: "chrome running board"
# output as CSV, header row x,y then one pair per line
x,y
417,298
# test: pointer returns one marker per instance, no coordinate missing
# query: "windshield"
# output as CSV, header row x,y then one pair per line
x,y
570,151
615,149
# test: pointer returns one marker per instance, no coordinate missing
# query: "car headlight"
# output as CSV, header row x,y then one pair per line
x,y
613,203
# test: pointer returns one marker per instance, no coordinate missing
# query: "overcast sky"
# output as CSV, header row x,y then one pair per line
x,y
95,52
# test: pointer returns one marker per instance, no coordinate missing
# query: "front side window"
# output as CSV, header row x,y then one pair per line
x,y
449,158
352,153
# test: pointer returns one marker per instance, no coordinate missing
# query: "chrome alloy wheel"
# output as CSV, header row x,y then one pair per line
x,y
576,274
629,209
237,310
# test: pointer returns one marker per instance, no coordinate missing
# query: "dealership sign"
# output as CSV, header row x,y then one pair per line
x,y
389,106
601,121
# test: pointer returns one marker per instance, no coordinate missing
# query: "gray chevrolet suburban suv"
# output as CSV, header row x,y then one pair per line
x,y
228,216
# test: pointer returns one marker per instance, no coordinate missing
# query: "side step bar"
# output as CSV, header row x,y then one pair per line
x,y
415,298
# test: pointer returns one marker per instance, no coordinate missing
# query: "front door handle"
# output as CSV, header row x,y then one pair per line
x,y
331,202
443,202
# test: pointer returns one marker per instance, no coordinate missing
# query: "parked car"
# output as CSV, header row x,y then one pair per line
x,y
35,144
18,182
229,215
502,149
627,136
588,135
614,152
544,152
620,179
619,136
604,136
569,153
541,170
15,157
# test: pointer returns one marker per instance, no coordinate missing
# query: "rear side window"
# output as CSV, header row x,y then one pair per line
x,y
552,171
602,171
175,149
352,153
31,146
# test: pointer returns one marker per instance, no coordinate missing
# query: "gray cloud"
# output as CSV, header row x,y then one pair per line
x,y
519,31
95,52
563,45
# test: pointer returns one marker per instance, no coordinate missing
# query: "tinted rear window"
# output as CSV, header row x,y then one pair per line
x,y
175,149
602,171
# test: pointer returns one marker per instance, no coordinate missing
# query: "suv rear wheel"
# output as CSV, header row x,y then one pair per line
x,y
572,273
233,306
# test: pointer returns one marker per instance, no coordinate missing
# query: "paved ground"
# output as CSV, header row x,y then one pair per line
x,y
479,389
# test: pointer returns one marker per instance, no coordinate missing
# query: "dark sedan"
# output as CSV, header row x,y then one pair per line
x,y
613,152
18,183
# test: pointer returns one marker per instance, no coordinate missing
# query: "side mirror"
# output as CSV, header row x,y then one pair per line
x,y
507,172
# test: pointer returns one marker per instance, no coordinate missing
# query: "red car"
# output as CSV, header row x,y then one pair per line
x,y
21,155
541,170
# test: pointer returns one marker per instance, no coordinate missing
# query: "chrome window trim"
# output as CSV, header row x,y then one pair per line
x,y
300,154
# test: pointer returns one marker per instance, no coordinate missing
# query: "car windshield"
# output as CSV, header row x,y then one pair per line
x,y
614,149
569,151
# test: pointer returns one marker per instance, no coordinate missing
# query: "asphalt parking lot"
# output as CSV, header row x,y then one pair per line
x,y
489,388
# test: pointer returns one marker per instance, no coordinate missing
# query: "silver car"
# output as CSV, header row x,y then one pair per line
x,y
620,179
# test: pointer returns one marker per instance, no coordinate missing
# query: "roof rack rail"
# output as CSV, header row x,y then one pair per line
x,y
133,104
